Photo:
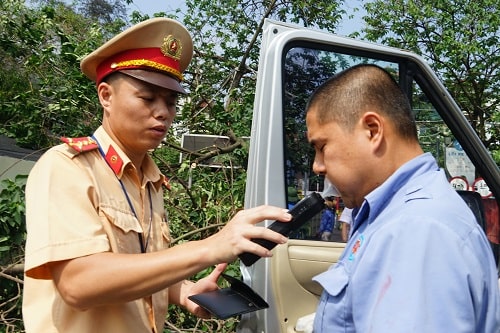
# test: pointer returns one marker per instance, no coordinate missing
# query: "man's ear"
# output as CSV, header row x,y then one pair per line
x,y
104,92
373,124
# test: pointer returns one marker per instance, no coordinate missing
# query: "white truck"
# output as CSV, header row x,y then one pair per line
x,y
293,62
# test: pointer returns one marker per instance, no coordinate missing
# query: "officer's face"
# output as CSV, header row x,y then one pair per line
x,y
137,114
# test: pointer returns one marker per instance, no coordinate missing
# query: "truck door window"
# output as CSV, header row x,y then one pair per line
x,y
305,68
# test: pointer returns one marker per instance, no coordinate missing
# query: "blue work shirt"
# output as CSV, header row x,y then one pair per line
x,y
416,261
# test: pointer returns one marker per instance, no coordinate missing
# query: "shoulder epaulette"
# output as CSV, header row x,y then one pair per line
x,y
81,144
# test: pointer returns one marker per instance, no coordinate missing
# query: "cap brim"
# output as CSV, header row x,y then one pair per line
x,y
156,78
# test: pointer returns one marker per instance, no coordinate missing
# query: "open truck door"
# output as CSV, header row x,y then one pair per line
x,y
293,62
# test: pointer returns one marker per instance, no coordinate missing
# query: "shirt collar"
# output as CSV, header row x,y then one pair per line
x,y
379,198
119,161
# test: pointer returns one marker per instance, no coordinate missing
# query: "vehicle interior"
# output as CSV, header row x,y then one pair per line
x,y
443,131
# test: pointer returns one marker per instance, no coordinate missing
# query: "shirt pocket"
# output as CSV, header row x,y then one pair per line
x,y
123,229
335,280
333,313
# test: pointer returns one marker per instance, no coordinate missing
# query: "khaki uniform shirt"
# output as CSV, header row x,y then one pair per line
x,y
75,206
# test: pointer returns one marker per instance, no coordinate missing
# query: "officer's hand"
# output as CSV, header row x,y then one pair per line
x,y
208,283
235,237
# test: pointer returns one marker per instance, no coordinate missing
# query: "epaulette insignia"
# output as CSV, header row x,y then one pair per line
x,y
81,144
114,160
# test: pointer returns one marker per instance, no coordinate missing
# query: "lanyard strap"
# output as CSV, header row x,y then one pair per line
x,y
140,235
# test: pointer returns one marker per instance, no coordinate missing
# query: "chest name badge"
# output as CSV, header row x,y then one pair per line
x,y
356,246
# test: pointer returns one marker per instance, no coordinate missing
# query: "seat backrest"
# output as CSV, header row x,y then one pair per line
x,y
475,203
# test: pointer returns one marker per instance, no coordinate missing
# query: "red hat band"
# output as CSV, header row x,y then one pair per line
x,y
163,59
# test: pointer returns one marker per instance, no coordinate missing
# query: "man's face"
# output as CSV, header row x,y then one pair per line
x,y
137,114
341,155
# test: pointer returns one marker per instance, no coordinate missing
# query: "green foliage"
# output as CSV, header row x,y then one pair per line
x,y
12,237
104,12
44,95
460,40
12,215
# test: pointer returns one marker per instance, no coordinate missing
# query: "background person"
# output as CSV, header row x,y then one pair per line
x,y
416,260
97,250
327,219
345,219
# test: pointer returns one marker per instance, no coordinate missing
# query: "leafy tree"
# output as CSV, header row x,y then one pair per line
x,y
44,95
461,41
102,11
12,238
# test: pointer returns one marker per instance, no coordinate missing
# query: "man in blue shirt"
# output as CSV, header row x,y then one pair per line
x,y
416,259
327,220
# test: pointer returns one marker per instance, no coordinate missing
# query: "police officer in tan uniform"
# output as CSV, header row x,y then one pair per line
x,y
97,250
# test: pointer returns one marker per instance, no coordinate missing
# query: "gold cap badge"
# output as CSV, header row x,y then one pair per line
x,y
171,47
